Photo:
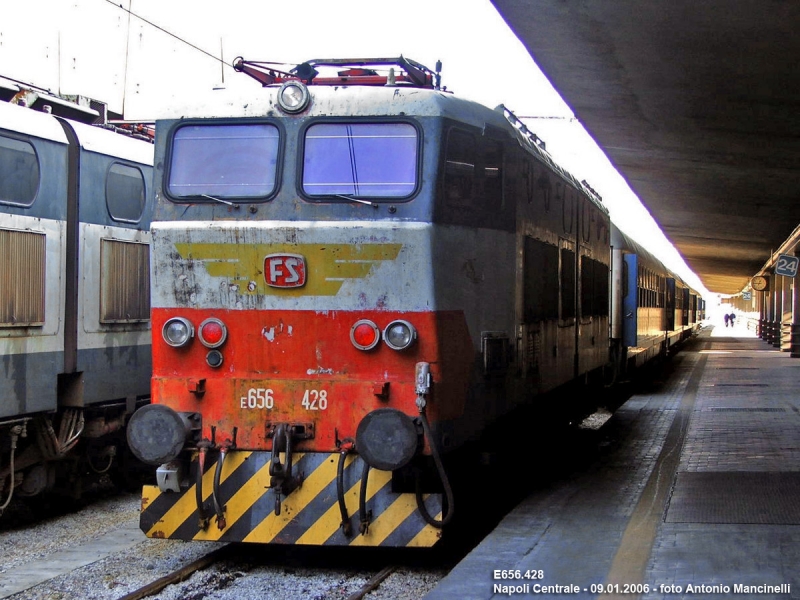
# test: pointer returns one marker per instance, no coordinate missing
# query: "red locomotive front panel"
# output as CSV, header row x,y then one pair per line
x,y
303,368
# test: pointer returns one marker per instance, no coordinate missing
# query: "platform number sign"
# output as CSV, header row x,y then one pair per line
x,y
786,265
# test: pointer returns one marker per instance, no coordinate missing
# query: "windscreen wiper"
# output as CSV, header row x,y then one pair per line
x,y
220,200
359,200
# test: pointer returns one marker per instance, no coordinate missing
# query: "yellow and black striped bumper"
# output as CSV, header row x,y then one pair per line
x,y
309,515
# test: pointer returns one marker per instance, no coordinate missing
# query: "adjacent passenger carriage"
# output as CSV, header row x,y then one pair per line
x,y
653,309
352,276
74,298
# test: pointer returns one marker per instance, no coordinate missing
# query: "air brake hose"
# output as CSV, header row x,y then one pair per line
x,y
424,380
218,510
201,461
16,431
448,490
345,524
362,501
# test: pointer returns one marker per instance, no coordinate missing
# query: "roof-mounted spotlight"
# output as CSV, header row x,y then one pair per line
x,y
293,97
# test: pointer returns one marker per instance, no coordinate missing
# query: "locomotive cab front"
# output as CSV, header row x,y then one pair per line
x,y
296,328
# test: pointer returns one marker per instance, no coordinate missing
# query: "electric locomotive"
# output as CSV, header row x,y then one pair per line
x,y
352,275
74,294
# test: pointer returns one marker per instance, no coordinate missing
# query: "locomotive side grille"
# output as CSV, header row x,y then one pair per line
x,y
22,277
125,282
533,352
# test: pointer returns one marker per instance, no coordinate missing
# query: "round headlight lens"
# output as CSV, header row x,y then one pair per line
x,y
365,335
293,96
399,335
212,333
177,332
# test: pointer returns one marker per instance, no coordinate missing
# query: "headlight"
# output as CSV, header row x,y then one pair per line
x,y
293,96
399,335
212,333
365,335
177,331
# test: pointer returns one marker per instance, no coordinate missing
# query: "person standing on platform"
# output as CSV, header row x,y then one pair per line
x,y
732,318
727,318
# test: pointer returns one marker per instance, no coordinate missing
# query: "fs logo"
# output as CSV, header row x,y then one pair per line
x,y
285,270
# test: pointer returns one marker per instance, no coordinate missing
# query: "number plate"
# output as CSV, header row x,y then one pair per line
x,y
254,395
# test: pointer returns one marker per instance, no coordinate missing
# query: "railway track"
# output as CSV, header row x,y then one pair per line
x,y
179,575
98,552
228,552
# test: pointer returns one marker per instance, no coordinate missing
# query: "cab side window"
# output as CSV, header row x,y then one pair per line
x,y
19,172
125,193
459,171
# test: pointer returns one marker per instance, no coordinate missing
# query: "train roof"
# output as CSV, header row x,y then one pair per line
x,y
30,122
27,121
333,100
619,239
102,141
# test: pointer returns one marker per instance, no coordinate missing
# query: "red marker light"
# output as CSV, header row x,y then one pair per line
x,y
365,335
212,333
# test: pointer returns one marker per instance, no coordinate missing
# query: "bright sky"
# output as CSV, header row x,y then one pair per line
x,y
95,48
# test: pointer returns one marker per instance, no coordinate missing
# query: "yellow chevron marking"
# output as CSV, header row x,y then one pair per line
x,y
329,265
428,536
387,521
187,503
240,502
292,504
330,520
150,494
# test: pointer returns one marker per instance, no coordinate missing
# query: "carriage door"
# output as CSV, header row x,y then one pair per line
x,y
630,308
670,304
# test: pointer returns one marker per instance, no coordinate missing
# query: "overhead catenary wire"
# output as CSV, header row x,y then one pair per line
x,y
169,33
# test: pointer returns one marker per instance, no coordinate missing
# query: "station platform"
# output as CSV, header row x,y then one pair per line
x,y
693,492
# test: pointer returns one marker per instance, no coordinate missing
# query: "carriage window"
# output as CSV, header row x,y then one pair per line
x,y
125,193
19,172
224,161
493,173
459,172
594,287
540,281
567,284
376,160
